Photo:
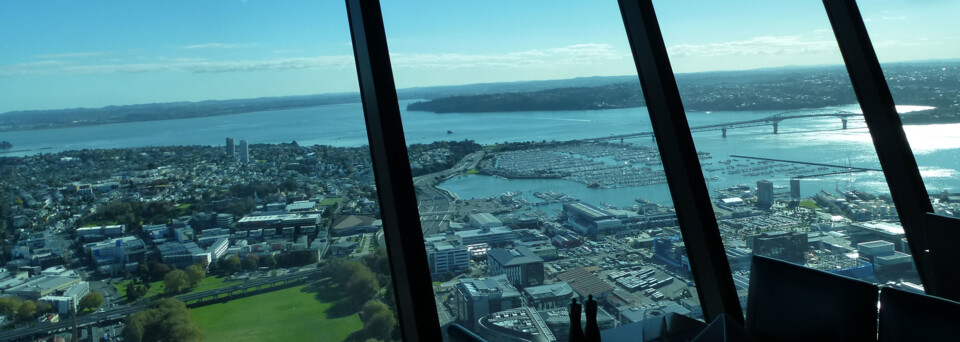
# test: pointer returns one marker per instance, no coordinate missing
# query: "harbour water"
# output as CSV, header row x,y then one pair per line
x,y
818,140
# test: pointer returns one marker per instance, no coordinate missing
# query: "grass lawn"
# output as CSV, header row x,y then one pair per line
x,y
809,204
210,283
99,223
156,288
302,313
331,201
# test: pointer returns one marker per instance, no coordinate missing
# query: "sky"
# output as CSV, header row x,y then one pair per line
x,y
67,54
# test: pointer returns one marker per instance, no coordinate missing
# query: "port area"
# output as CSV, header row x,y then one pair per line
x,y
596,164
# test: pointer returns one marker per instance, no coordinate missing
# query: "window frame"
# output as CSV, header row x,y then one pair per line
x,y
690,195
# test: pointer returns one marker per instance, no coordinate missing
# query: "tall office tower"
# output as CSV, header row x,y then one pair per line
x,y
231,149
795,188
244,152
764,193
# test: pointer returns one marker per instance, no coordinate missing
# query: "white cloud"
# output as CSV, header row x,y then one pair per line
x,y
219,46
572,55
180,65
72,55
578,54
765,45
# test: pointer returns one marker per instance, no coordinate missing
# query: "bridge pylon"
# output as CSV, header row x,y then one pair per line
x,y
724,130
776,125
844,120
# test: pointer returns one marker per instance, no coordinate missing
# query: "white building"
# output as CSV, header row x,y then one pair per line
x,y
484,220
447,255
218,248
244,152
491,236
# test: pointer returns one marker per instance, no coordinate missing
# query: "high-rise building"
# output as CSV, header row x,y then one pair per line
x,y
521,265
795,188
787,246
478,297
231,149
764,194
447,255
244,152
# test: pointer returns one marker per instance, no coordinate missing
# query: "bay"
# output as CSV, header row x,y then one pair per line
x,y
819,140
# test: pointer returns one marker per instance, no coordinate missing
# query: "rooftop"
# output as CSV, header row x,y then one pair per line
x,y
354,221
479,232
885,228
584,282
588,210
513,257
561,289
484,218
301,205
480,287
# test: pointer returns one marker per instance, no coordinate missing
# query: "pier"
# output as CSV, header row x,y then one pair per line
x,y
849,168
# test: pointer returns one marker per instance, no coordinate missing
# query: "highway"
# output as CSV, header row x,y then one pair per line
x,y
435,205
124,311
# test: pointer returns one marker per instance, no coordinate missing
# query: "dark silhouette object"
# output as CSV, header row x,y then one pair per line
x,y
724,329
576,332
457,333
592,332
789,302
907,316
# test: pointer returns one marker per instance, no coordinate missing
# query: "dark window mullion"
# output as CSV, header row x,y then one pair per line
x,y
691,199
391,165
896,158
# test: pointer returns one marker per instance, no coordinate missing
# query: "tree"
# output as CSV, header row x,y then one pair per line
x,y
175,282
165,319
380,325
268,261
143,272
250,263
135,292
195,274
8,306
372,307
363,285
92,301
231,264
26,311
45,308
214,267
158,270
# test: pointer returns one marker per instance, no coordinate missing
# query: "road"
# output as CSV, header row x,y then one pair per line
x,y
435,205
124,311
442,313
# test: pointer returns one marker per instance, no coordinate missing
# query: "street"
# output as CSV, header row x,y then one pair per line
x,y
435,205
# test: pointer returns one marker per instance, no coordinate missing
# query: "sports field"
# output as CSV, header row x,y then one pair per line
x,y
313,312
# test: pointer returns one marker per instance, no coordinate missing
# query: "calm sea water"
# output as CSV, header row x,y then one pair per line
x,y
937,147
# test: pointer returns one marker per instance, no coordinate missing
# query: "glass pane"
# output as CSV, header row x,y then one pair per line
x,y
794,173
918,52
525,200
146,138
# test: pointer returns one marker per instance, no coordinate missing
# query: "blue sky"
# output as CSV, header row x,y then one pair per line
x,y
64,54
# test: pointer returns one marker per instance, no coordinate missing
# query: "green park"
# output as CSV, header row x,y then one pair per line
x,y
315,312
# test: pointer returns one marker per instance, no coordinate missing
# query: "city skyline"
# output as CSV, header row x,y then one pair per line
x,y
92,55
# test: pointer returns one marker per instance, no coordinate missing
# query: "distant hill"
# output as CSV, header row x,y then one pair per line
x,y
934,83
40,119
